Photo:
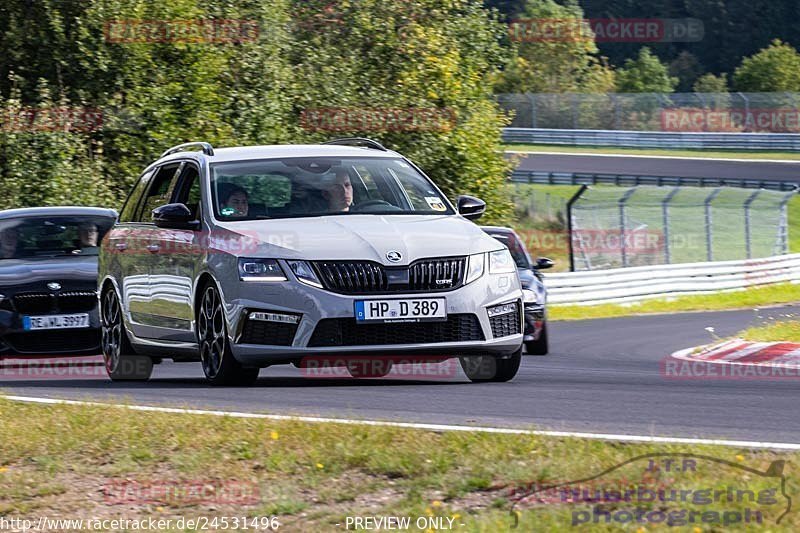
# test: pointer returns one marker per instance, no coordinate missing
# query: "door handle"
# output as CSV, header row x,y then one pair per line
x,y
153,248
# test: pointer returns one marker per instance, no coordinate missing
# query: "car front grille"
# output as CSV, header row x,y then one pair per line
x,y
506,324
64,302
347,332
366,277
61,341
272,333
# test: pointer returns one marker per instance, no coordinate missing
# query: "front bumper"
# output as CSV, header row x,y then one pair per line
x,y
327,322
16,341
535,317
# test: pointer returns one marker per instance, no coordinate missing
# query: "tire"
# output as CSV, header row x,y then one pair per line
x,y
219,365
487,368
364,368
539,346
122,363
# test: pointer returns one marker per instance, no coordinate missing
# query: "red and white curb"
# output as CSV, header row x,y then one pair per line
x,y
742,352
736,359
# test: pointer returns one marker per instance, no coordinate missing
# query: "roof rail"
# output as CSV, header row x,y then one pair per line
x,y
207,148
358,141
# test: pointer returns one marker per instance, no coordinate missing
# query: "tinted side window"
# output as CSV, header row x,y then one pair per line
x,y
129,209
188,191
159,191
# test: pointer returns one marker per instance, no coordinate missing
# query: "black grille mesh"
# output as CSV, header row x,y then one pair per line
x,y
347,332
365,277
507,324
65,302
272,333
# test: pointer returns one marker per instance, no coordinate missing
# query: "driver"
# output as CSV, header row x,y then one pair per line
x,y
233,201
339,193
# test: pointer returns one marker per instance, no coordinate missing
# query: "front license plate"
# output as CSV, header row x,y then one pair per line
x,y
55,321
401,310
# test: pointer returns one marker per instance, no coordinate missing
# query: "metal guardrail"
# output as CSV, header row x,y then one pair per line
x,y
640,283
787,142
626,180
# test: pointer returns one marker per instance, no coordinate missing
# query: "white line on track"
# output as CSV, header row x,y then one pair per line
x,y
429,427
640,156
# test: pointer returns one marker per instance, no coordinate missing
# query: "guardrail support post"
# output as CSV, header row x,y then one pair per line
x,y
665,221
622,225
747,236
709,230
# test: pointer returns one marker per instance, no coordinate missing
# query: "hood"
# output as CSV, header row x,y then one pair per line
x,y
368,237
30,271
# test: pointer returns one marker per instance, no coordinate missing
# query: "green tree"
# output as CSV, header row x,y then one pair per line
x,y
565,60
709,83
645,74
773,69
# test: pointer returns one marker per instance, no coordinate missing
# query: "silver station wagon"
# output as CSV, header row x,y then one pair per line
x,y
242,258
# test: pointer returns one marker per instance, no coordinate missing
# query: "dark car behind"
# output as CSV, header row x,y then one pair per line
x,y
535,294
48,280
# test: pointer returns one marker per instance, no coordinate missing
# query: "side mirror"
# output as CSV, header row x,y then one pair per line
x,y
470,207
175,216
543,263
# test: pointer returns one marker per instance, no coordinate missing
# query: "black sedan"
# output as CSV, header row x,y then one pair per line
x,y
535,295
48,280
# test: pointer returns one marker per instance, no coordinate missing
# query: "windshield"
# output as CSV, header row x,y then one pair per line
x,y
52,236
515,247
301,187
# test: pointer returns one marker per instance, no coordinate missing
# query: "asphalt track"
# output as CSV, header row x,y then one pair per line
x,y
602,376
655,166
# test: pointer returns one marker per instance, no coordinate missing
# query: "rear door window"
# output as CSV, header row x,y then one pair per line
x,y
159,192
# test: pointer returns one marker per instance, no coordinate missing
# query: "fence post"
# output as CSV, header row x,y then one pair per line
x,y
709,230
746,109
571,202
782,244
622,229
532,98
747,236
665,221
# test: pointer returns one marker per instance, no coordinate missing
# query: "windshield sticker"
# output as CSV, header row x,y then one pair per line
x,y
228,211
435,203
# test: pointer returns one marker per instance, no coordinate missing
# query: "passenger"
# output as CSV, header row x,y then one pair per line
x,y
88,234
9,243
233,201
339,194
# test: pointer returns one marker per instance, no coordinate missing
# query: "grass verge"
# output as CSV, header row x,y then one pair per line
x,y
644,151
786,331
60,461
749,298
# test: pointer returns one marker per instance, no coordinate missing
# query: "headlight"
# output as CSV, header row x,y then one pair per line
x,y
535,295
305,273
474,267
260,270
501,262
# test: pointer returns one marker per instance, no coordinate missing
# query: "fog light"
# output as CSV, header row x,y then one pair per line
x,y
502,309
274,317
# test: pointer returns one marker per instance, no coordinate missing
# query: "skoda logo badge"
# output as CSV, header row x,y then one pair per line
x,y
394,256
53,286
